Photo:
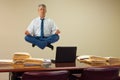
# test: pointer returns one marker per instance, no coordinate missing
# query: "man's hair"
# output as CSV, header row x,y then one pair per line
x,y
43,5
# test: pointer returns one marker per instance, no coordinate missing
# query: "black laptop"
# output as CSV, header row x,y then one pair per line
x,y
65,54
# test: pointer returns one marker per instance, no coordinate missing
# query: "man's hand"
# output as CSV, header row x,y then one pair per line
x,y
57,32
27,33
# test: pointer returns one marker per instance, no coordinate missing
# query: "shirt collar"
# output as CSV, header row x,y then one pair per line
x,y
44,18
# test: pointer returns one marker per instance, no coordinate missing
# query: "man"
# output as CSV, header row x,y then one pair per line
x,y
42,31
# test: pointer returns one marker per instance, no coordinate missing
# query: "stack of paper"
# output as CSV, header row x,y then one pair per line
x,y
6,62
19,57
36,61
33,61
113,60
92,59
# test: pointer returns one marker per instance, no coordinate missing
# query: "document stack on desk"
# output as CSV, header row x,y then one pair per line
x,y
26,59
19,57
6,62
36,62
92,59
33,61
113,60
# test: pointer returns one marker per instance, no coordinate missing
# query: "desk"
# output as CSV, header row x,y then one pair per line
x,y
53,66
56,66
17,70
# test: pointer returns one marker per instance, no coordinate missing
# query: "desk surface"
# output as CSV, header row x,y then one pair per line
x,y
56,66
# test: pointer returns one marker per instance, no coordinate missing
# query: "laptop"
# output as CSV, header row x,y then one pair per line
x,y
65,54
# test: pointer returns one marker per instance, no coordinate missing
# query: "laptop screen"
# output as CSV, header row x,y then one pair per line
x,y
66,54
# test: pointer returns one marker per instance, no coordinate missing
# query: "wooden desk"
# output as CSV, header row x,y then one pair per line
x,y
17,70
53,66
56,66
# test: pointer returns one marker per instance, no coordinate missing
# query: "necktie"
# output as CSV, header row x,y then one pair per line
x,y
42,28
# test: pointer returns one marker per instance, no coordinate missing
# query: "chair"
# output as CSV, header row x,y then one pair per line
x,y
46,75
100,74
15,75
75,74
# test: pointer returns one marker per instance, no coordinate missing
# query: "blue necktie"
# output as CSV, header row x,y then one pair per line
x,y
42,28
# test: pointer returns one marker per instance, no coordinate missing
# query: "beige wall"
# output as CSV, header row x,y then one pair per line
x,y
91,25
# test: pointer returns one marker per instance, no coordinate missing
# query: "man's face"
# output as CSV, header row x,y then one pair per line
x,y
42,11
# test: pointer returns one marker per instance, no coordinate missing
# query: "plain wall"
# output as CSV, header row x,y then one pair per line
x,y
91,25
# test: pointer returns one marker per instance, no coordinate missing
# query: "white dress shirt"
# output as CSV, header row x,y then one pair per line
x,y
35,27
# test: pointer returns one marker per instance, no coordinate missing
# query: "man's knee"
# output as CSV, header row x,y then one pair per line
x,y
52,39
27,38
57,37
